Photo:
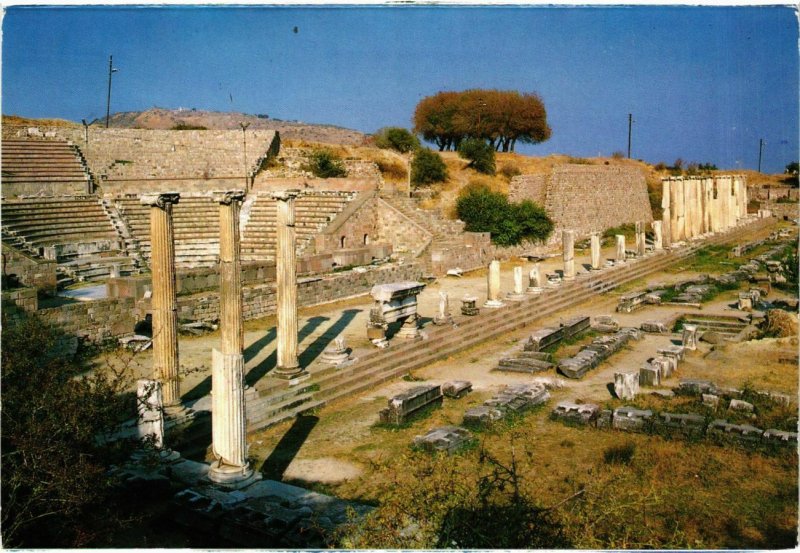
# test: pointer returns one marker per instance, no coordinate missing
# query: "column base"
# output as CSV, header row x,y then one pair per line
x,y
408,333
443,320
232,477
534,290
493,304
515,297
292,374
570,278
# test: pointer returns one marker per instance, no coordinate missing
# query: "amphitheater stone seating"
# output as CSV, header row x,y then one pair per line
x,y
75,231
313,212
35,167
196,228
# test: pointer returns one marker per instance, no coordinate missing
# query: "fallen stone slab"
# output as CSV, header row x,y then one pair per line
x,y
655,327
740,405
631,419
448,439
626,385
693,387
578,413
742,433
689,425
482,415
780,437
404,406
522,364
605,324
456,388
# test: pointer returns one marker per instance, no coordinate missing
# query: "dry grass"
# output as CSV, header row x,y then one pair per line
x,y
16,120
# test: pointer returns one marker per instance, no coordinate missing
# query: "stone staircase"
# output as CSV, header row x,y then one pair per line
x,y
276,402
33,166
313,212
130,242
728,326
72,230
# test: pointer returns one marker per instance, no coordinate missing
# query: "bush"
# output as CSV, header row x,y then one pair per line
x,y
618,155
479,153
396,138
326,165
56,489
392,169
427,167
510,170
486,211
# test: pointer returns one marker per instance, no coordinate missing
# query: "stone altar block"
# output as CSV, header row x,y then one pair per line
x,y
394,302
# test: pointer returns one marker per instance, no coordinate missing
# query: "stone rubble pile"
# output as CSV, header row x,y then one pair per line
x,y
595,353
515,398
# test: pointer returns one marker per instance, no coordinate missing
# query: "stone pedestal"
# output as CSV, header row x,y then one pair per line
x,y
150,420
568,246
626,385
394,302
620,253
535,283
493,286
519,289
410,328
288,367
228,419
164,304
595,244
468,307
689,337
658,242
336,353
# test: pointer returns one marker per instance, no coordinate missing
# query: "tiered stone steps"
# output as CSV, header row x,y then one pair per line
x,y
728,326
34,224
195,224
277,403
32,163
313,212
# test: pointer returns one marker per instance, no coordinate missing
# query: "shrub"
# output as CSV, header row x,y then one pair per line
x,y
479,153
325,164
427,167
510,170
486,211
392,169
396,138
188,127
618,155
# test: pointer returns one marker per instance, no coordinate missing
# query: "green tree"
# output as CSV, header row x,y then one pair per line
x,y
484,210
427,167
792,168
325,164
480,155
56,490
396,138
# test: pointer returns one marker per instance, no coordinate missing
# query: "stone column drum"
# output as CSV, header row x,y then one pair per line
x,y
288,367
534,280
493,285
595,244
228,419
568,245
620,257
519,288
658,237
164,304
689,337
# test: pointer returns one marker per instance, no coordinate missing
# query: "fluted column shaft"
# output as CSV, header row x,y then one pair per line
x,y
228,418
666,213
658,237
286,277
595,246
568,245
164,302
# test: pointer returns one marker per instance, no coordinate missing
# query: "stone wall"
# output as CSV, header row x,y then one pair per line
x,y
475,252
26,299
264,183
777,192
93,321
260,300
38,273
782,209
586,198
397,229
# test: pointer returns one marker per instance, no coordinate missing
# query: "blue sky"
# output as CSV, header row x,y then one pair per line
x,y
703,83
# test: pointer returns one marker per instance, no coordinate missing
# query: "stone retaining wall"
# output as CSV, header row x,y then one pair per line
x,y
94,321
782,209
38,273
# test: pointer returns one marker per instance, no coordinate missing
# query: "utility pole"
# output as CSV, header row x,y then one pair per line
x,y
630,125
244,147
111,70
760,150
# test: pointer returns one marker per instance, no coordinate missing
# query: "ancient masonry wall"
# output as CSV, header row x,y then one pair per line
x,y
39,273
528,187
588,198
474,252
260,301
94,321
395,228
782,209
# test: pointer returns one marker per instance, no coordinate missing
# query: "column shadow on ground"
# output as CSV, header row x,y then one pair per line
x,y
259,371
287,448
322,341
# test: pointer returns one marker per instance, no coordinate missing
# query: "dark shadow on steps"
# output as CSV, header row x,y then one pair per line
x,y
256,373
312,351
286,450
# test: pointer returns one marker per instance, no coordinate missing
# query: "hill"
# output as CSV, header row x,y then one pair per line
x,y
160,118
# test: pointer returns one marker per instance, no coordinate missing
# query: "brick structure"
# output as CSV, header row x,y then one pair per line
x,y
586,198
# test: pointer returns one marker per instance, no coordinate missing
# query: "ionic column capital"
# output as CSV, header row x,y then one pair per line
x,y
229,196
285,195
160,200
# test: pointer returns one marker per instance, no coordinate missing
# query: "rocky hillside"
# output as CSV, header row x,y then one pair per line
x,y
159,118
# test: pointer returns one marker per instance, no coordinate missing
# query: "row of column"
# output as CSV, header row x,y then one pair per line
x,y
693,206
229,425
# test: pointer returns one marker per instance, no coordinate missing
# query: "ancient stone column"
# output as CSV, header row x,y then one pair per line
x,y
288,367
658,242
493,285
699,224
519,288
443,317
228,420
534,280
713,207
164,304
640,238
595,243
568,245
666,212
620,257
678,211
